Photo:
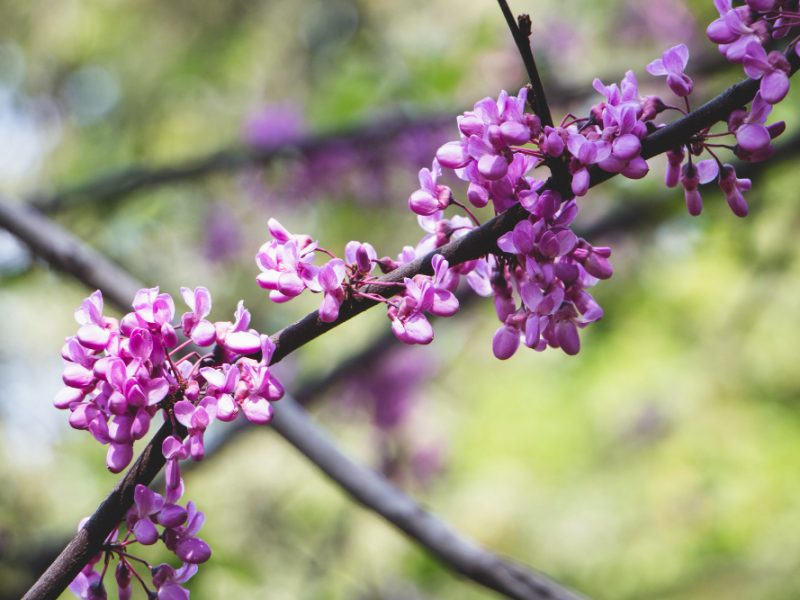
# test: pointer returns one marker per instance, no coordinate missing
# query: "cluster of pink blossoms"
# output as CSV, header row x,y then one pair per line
x,y
742,32
120,373
541,277
287,269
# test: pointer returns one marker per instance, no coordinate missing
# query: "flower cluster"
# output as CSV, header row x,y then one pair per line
x,y
120,373
540,277
741,32
542,262
287,269
178,525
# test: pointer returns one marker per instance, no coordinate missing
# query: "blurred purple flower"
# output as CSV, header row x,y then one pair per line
x,y
223,234
273,125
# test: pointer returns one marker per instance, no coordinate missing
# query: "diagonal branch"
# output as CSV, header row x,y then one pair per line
x,y
473,245
374,492
129,180
370,489
482,240
521,32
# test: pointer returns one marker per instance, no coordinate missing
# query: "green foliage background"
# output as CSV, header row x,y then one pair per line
x,y
661,463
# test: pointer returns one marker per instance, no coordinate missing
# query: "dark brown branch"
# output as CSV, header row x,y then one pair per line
x,y
473,245
378,495
372,491
65,252
521,32
91,537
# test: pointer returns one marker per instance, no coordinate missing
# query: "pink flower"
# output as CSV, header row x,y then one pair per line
x,y
431,197
194,323
196,419
285,263
328,280
139,519
773,70
361,255
751,134
672,64
183,541
238,337
167,581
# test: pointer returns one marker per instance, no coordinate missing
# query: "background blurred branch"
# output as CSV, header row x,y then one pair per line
x,y
124,182
378,495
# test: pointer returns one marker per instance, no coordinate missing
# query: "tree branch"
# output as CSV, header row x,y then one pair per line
x,y
124,182
372,491
476,243
366,486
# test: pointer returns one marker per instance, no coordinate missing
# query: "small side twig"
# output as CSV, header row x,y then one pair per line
x,y
521,32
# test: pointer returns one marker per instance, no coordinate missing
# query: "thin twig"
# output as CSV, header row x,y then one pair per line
x,y
521,32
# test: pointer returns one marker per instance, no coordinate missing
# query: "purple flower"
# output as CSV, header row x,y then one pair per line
x,y
328,280
361,255
222,384
735,29
167,581
139,519
154,310
586,153
285,262
409,323
733,188
94,333
237,336
122,575
672,64
174,451
672,174
88,585
431,197
194,323
261,389
752,135
453,155
196,419
183,541
692,176
505,342
773,70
